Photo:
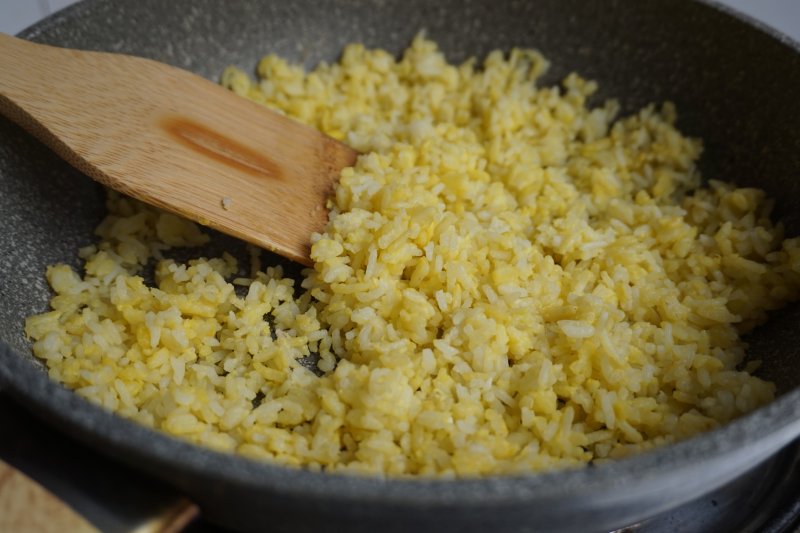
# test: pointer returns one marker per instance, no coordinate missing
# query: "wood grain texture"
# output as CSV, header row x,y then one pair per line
x,y
175,140
27,507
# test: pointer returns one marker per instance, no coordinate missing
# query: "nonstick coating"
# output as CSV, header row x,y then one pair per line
x,y
734,84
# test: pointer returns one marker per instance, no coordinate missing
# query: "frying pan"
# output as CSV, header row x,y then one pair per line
x,y
735,84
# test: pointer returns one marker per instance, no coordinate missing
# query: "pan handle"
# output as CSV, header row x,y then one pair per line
x,y
25,505
49,482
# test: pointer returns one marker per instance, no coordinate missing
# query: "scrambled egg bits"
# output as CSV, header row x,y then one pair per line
x,y
510,281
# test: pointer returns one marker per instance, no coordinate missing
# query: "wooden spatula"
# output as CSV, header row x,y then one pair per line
x,y
176,141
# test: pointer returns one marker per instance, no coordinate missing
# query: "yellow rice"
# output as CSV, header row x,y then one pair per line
x,y
511,281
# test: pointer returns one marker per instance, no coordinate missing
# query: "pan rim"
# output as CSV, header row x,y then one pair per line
x,y
778,422
122,438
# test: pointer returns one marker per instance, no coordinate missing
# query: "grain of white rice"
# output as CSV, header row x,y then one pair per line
x,y
510,281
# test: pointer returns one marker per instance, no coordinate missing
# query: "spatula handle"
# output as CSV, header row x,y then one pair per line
x,y
33,85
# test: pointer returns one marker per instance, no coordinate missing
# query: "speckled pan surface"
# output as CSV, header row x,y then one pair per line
x,y
735,85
